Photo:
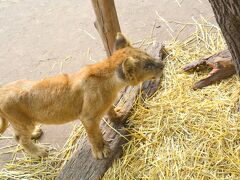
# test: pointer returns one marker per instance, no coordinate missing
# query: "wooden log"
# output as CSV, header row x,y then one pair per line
x,y
82,165
106,22
222,67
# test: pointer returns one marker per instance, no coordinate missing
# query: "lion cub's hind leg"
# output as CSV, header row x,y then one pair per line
x,y
3,125
32,149
24,132
37,133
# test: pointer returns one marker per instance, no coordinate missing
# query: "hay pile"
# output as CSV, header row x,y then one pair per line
x,y
181,133
177,134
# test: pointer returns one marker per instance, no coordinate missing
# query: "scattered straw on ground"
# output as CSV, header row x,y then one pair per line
x,y
45,168
178,134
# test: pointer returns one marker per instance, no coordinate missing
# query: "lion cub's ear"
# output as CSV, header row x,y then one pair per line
x,y
120,42
128,67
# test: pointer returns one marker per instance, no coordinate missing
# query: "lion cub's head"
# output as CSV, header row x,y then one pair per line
x,y
137,65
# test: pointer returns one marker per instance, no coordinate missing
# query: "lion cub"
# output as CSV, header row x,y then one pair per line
x,y
86,95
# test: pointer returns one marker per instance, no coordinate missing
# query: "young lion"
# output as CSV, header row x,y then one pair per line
x,y
86,95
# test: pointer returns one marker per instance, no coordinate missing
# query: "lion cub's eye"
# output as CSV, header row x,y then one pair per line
x,y
149,65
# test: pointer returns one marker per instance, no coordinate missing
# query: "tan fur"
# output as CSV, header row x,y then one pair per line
x,y
3,125
86,95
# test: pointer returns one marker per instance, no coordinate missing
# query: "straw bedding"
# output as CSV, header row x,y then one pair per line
x,y
182,133
177,134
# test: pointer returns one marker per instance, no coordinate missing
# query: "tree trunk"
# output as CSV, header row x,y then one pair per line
x,y
106,22
227,13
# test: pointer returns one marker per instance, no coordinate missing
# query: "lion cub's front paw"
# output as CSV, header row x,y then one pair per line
x,y
103,153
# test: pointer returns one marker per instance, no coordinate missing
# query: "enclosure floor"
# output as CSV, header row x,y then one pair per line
x,y
42,38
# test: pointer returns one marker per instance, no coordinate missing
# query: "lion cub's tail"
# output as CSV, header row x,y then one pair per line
x,y
3,125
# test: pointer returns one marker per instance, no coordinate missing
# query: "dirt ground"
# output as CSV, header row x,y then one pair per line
x,y
47,37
